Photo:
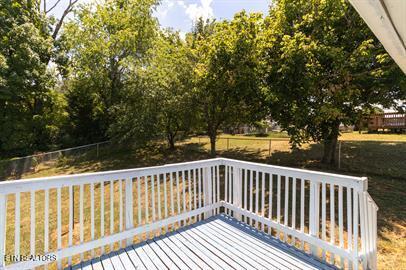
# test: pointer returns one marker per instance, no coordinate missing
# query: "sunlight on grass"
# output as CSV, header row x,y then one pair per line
x,y
382,162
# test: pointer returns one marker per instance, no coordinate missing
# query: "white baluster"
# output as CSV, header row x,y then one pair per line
x,y
3,209
32,223
59,224
349,223
340,221
293,208
332,220
102,213
286,207
120,210
92,215
111,211
314,202
323,216
81,218
251,194
270,201
218,187
302,209
278,205
129,214
17,224
263,199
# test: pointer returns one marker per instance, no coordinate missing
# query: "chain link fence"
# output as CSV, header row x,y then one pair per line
x,y
386,158
14,168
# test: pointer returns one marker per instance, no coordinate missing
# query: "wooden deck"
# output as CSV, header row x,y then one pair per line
x,y
220,242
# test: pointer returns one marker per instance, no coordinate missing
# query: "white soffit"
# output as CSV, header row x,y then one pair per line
x,y
387,20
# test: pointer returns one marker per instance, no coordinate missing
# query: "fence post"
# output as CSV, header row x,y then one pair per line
x,y
97,150
314,215
228,143
339,154
269,151
207,189
3,208
237,191
129,206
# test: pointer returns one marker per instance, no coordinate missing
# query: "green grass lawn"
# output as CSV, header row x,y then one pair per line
x,y
383,163
368,154
349,136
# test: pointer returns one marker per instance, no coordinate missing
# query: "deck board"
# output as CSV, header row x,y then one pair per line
x,y
135,259
192,244
193,252
179,251
162,255
219,242
172,255
144,257
87,265
96,264
221,250
245,251
125,259
274,254
275,247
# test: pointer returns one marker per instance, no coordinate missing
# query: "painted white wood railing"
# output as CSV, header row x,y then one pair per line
x,y
331,216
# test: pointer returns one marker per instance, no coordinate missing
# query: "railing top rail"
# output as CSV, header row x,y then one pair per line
x,y
12,186
360,183
372,201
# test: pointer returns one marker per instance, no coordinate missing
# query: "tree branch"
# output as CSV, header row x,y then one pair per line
x,y
51,8
65,13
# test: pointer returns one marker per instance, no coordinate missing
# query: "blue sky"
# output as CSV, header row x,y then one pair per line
x,y
180,14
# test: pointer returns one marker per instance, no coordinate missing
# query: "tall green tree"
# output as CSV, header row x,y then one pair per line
x,y
31,111
164,107
228,77
172,69
105,42
323,67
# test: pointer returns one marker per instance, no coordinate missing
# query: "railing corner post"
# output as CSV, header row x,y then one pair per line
x,y
364,230
237,191
207,185
364,184
129,215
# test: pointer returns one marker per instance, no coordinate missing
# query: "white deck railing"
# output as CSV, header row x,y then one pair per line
x,y
78,217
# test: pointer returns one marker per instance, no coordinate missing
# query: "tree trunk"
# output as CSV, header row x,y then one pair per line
x,y
170,137
330,145
171,141
213,145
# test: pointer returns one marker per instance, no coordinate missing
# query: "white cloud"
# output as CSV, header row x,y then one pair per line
x,y
181,3
180,14
182,35
195,11
163,9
